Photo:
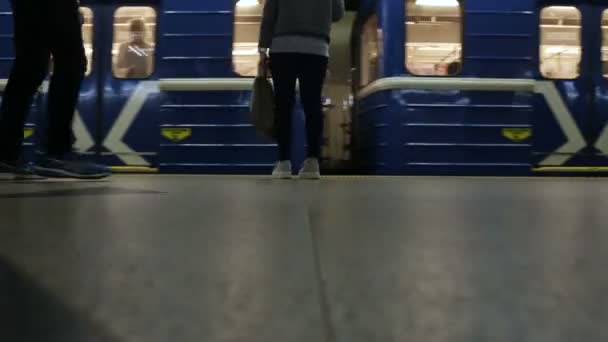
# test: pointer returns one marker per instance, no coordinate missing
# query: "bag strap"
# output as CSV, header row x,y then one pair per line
x,y
263,67
263,70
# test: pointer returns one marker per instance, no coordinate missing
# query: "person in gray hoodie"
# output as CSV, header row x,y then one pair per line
x,y
294,40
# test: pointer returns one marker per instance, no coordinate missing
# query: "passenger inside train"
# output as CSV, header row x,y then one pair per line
x,y
134,56
434,38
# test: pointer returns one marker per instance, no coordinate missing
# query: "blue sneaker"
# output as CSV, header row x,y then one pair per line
x,y
70,167
20,171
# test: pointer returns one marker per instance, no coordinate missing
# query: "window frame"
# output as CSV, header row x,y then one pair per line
x,y
407,70
154,54
540,32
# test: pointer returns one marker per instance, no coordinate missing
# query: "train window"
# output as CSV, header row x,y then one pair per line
x,y
134,42
560,42
433,37
247,18
87,36
369,51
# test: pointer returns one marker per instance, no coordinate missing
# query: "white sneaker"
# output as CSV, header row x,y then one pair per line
x,y
282,170
310,169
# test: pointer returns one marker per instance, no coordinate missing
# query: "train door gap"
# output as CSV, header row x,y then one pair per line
x,y
101,46
338,92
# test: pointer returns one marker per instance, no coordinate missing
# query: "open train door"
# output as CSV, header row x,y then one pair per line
x,y
570,132
338,95
117,119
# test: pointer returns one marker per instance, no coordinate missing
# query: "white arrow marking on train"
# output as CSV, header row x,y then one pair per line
x,y
602,141
114,140
575,140
84,139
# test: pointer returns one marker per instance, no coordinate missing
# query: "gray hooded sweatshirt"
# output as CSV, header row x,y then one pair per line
x,y
302,26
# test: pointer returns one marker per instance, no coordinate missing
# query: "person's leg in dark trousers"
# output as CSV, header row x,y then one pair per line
x,y
53,26
284,75
69,67
28,72
313,69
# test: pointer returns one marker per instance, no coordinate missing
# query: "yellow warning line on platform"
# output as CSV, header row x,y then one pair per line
x,y
133,169
354,178
572,169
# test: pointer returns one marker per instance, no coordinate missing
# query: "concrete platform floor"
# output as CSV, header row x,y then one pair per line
x,y
242,259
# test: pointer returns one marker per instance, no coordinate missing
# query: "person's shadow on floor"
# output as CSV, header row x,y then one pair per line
x,y
29,313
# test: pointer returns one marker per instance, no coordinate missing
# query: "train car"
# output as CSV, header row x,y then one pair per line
x,y
178,100
481,87
415,87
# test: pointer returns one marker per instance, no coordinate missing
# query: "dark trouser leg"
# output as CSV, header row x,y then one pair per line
x,y
284,74
69,66
28,72
313,69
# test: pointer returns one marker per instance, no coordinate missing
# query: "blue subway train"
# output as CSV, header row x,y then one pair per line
x,y
415,87
481,87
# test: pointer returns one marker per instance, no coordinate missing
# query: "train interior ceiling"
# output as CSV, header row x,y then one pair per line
x,y
125,99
